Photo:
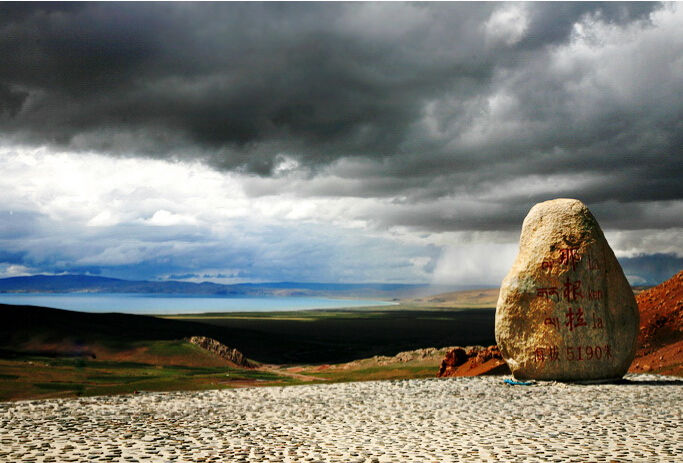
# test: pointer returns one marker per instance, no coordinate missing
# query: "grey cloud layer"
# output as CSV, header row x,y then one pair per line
x,y
436,105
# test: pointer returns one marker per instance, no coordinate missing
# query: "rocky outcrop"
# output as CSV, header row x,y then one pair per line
x,y
566,311
454,359
410,356
661,328
472,361
231,355
417,355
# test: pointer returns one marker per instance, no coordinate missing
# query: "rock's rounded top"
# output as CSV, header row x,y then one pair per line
x,y
560,209
562,219
564,202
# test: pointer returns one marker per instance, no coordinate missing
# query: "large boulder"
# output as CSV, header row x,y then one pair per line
x,y
566,311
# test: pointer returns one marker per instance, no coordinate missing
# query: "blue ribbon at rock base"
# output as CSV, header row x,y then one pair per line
x,y
512,382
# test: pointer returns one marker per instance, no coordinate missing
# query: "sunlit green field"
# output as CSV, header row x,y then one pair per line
x,y
38,377
48,377
47,353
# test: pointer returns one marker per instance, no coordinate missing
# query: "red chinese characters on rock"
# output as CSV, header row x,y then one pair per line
x,y
553,353
575,319
572,290
572,293
569,257
573,353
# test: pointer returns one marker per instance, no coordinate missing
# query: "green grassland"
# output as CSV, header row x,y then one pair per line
x,y
368,370
31,376
48,353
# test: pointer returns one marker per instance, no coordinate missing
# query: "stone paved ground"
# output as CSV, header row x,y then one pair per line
x,y
441,420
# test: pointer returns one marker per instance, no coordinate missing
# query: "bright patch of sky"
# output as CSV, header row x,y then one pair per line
x,y
101,214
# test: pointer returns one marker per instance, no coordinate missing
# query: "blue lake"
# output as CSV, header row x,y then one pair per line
x,y
162,304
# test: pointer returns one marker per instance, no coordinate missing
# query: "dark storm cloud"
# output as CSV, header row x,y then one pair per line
x,y
423,101
326,80
222,76
11,101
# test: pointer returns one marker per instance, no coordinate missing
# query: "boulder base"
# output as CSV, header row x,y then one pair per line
x,y
566,311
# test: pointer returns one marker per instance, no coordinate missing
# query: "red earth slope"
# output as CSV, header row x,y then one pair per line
x,y
474,361
660,346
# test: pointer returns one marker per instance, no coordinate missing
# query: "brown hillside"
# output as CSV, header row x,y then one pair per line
x,y
661,328
473,361
473,298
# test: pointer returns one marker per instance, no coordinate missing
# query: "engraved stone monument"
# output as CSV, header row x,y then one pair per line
x,y
566,311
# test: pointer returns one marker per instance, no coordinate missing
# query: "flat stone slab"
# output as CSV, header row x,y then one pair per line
x,y
478,419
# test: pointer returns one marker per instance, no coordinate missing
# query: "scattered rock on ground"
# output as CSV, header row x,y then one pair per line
x,y
473,361
426,354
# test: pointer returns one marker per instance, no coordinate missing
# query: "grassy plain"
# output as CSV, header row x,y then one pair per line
x,y
46,353
35,377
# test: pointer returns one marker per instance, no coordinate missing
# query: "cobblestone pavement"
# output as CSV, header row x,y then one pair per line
x,y
440,420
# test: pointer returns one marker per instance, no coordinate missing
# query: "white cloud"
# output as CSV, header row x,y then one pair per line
x,y
8,271
632,243
103,219
475,263
107,191
163,218
507,24
181,218
285,166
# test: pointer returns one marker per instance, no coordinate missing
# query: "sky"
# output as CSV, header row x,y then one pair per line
x,y
383,142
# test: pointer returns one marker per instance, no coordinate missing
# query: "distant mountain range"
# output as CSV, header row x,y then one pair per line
x,y
94,284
